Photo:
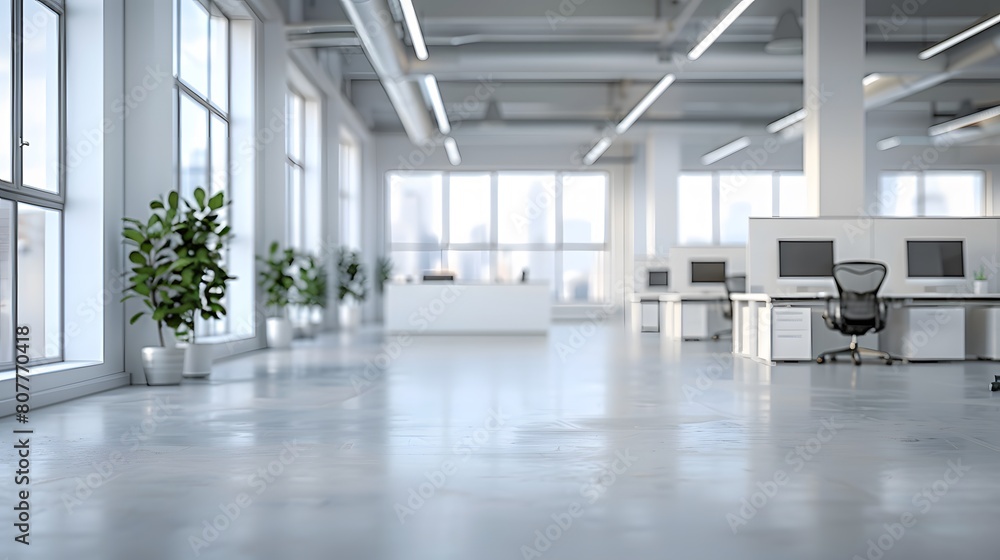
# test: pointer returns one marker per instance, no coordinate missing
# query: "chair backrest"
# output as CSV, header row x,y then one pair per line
x,y
734,285
858,283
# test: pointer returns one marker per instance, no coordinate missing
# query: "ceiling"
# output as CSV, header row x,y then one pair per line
x,y
585,63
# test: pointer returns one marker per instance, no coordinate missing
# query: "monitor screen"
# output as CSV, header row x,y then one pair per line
x,y
659,278
708,272
805,259
935,259
439,277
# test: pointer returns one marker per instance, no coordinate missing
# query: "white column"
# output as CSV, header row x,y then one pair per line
x,y
663,167
834,136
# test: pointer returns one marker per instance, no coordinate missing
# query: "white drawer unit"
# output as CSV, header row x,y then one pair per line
x,y
791,334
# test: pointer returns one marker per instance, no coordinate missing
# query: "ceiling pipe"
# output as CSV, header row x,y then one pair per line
x,y
889,89
373,24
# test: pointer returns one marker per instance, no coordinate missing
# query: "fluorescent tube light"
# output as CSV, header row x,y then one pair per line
x,y
725,151
451,147
413,28
785,122
889,143
952,41
437,103
645,103
714,34
597,151
955,124
870,79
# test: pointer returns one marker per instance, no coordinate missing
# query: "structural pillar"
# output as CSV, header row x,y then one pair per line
x,y
834,134
659,200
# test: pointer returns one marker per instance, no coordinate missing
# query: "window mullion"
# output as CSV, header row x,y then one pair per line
x,y
16,97
716,212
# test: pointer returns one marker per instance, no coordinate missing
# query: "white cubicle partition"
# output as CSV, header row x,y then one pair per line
x,y
880,239
680,266
433,308
852,239
981,237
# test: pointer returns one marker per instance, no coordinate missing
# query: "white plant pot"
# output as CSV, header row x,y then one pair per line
x,y
279,332
163,366
198,360
980,286
350,316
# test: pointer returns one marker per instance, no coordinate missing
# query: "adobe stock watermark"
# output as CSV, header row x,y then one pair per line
x,y
418,497
229,512
420,320
922,502
708,375
592,490
105,471
767,490
901,14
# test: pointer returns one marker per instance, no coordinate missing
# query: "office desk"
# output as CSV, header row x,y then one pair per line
x,y
442,308
691,316
919,327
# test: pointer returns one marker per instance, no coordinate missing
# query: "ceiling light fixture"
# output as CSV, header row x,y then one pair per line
x,y
870,79
720,28
645,103
451,147
785,122
952,41
889,143
962,122
413,28
597,151
725,151
787,37
437,103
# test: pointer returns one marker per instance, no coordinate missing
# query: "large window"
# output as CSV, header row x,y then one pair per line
x,y
715,208
932,193
487,227
31,183
214,56
295,168
350,191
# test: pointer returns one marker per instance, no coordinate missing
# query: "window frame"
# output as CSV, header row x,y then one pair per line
x,y
292,164
15,191
493,246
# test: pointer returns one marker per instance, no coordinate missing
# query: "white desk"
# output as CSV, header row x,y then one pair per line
x,y
926,326
691,316
442,308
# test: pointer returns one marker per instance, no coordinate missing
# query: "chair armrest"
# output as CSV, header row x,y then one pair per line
x,y
832,313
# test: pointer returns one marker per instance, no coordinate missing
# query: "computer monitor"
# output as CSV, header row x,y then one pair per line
x,y
439,276
708,272
935,259
805,259
659,278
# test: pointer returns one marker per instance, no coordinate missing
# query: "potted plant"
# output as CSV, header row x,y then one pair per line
x,y
385,267
277,281
158,282
980,284
311,293
351,289
202,237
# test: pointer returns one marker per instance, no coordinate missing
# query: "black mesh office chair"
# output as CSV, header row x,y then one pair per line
x,y
858,310
734,285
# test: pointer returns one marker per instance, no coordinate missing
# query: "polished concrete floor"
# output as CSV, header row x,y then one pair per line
x,y
588,444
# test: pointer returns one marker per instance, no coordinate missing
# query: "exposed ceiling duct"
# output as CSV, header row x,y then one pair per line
x,y
389,59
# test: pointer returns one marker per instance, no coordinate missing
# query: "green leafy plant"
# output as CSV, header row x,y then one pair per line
x,y
981,273
276,278
351,276
202,235
312,286
385,267
156,278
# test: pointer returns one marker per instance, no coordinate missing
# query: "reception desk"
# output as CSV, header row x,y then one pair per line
x,y
446,308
